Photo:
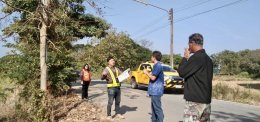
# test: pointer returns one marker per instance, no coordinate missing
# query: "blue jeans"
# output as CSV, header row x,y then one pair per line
x,y
113,93
157,112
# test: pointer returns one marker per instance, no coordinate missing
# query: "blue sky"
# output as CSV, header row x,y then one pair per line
x,y
235,27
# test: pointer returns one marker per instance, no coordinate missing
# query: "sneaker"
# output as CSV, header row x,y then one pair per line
x,y
109,118
84,99
120,116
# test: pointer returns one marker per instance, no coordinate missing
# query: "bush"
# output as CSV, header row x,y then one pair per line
x,y
244,75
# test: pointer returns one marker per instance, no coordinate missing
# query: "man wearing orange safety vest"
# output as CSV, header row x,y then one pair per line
x,y
110,74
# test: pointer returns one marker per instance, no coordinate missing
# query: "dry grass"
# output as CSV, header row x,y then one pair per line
x,y
7,100
68,108
243,90
73,109
233,78
7,113
64,109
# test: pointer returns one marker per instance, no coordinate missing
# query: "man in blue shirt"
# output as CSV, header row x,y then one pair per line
x,y
155,87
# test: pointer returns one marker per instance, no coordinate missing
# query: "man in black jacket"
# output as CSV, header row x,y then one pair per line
x,y
197,71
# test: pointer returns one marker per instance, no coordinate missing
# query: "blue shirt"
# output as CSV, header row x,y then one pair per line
x,y
156,87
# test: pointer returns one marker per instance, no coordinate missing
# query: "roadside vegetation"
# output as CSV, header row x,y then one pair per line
x,y
7,98
20,94
234,78
233,92
242,64
126,51
20,28
237,88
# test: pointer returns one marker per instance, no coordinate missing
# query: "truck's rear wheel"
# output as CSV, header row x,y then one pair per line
x,y
133,83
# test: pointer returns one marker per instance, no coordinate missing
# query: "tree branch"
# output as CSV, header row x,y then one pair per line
x,y
16,7
5,16
53,45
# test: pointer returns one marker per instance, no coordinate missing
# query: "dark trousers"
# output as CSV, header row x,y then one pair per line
x,y
113,93
157,112
85,89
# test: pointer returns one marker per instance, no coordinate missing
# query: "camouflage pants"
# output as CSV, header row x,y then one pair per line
x,y
196,112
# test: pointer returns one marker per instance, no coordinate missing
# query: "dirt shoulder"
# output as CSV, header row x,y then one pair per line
x,y
78,110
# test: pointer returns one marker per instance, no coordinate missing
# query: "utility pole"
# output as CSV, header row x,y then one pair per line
x,y
170,13
43,44
171,38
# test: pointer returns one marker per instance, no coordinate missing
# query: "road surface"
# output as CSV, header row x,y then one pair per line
x,y
136,107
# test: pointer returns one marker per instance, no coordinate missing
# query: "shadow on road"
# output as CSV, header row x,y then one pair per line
x,y
238,118
124,109
75,83
97,82
174,91
93,96
166,91
93,83
76,90
132,96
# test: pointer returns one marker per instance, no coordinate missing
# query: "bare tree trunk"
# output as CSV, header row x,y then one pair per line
x,y
43,45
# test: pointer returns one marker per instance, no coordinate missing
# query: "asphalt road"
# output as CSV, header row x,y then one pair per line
x,y
136,107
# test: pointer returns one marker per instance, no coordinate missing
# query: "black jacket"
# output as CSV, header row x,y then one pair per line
x,y
197,72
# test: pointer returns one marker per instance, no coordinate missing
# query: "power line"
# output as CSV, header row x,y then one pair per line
x,y
226,5
188,17
150,24
191,6
159,19
154,30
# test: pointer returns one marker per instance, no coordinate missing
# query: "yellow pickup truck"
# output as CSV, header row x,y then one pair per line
x,y
171,77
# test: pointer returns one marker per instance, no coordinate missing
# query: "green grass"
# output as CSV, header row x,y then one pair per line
x,y
224,92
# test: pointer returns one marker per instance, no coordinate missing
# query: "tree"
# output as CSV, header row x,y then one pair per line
x,y
44,21
233,63
176,58
60,23
250,62
146,43
229,62
56,22
119,45
65,23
